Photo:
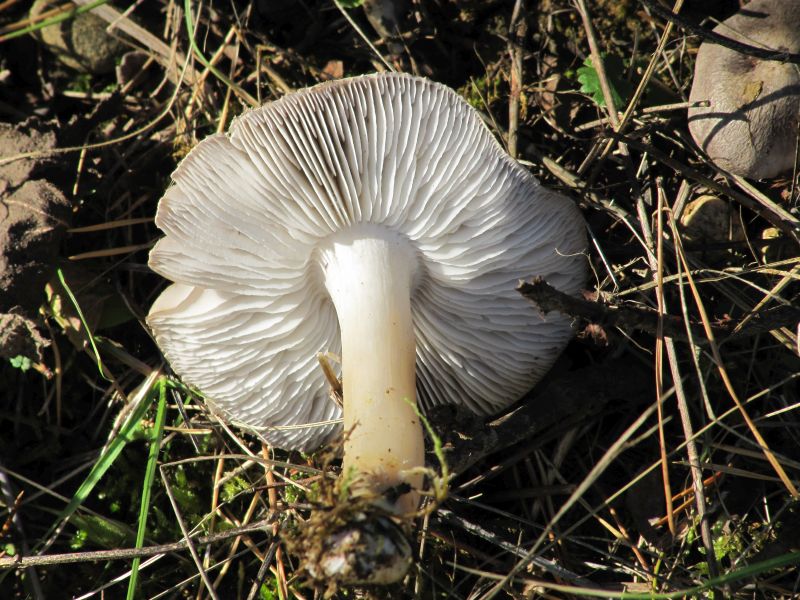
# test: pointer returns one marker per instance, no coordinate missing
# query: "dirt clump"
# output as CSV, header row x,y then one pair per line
x,y
33,217
23,138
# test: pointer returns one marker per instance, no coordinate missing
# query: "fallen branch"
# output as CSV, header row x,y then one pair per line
x,y
548,299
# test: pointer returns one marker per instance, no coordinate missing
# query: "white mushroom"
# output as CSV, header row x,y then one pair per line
x,y
750,126
376,217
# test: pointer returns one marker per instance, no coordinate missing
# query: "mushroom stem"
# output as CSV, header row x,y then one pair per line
x,y
369,273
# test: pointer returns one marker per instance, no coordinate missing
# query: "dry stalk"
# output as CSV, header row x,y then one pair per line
x,y
683,409
723,372
517,30
190,544
23,562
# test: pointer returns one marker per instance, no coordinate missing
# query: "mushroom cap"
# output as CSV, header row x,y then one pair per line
x,y
249,310
750,126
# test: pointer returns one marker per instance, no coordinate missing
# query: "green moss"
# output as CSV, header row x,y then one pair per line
x,y
482,92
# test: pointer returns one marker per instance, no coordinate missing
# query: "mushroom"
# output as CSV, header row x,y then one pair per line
x,y
750,126
374,217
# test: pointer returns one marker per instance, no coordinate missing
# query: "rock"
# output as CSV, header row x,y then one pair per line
x,y
750,125
388,19
130,66
80,42
32,221
770,253
709,219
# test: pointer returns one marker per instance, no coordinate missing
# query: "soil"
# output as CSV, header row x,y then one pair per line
x,y
34,215
29,136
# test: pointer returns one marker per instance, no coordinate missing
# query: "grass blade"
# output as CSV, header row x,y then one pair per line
x,y
149,476
111,453
83,321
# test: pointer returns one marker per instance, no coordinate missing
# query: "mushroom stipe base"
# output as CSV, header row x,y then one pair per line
x,y
353,539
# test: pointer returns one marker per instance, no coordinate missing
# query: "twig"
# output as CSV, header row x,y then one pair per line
x,y
262,570
788,278
106,252
7,4
272,495
608,96
189,543
721,40
517,30
783,220
23,562
214,513
683,410
647,110
363,35
12,502
723,372
597,62
548,299
657,266
110,225
623,531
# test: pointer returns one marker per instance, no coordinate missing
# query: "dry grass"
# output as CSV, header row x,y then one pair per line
x,y
678,481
